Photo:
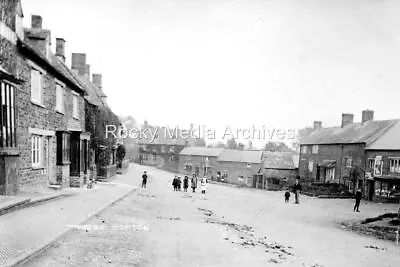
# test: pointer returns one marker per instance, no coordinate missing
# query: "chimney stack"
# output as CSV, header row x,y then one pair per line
x,y
78,63
36,22
38,37
317,125
96,79
367,115
60,48
347,119
87,71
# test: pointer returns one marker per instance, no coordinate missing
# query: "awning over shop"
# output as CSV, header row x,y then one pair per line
x,y
328,163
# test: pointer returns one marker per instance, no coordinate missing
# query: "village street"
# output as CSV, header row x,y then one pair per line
x,y
226,227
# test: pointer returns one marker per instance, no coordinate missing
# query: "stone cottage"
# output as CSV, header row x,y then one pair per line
x,y
280,169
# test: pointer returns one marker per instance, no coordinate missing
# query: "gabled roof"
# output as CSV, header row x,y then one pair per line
x,y
390,140
280,160
245,156
201,151
368,133
165,136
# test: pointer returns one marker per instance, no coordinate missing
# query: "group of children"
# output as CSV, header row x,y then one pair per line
x,y
177,183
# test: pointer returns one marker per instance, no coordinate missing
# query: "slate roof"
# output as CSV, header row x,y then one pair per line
x,y
280,160
54,63
368,133
201,151
165,136
245,156
390,140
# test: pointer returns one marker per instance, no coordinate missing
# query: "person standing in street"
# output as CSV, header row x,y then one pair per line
x,y
144,179
194,183
175,183
297,190
358,200
185,183
203,185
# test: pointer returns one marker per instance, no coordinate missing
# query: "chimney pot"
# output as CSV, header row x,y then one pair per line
x,y
347,119
36,22
367,115
60,48
317,125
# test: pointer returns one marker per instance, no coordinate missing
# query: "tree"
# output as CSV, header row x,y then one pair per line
x,y
300,136
277,147
200,142
231,144
219,145
240,146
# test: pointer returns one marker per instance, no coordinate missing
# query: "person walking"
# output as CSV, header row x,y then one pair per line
x,y
179,183
175,183
185,183
358,200
203,185
144,179
194,183
296,190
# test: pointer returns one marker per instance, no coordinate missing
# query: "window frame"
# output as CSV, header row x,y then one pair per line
x,y
75,106
8,115
40,86
396,168
314,149
347,161
60,103
36,151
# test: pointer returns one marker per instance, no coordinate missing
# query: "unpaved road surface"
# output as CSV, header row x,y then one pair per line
x,y
226,227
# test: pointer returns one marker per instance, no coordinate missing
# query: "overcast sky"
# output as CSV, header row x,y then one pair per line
x,y
278,63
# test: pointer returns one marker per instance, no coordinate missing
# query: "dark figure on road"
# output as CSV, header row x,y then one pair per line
x,y
144,179
179,183
287,196
194,183
175,183
358,200
297,190
185,183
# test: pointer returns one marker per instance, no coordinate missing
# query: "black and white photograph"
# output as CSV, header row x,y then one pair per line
x,y
200,133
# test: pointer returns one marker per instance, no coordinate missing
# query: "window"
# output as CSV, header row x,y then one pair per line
x,y
8,137
75,106
310,166
349,162
188,167
36,86
330,174
394,165
315,149
371,163
36,141
304,149
154,156
63,147
59,98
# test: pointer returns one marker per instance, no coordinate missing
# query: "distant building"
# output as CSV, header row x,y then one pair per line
x,y
160,147
242,167
201,161
364,154
280,169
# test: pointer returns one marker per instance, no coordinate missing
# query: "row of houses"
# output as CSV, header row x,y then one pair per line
x,y
253,168
363,155
49,113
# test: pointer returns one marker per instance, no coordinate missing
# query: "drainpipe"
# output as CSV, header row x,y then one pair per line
x,y
341,164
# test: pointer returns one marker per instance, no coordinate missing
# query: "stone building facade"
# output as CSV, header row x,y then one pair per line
x,y
42,110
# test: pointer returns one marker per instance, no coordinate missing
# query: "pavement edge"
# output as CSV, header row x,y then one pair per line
x,y
40,250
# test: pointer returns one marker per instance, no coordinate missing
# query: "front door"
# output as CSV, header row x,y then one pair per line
x,y
48,159
371,190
